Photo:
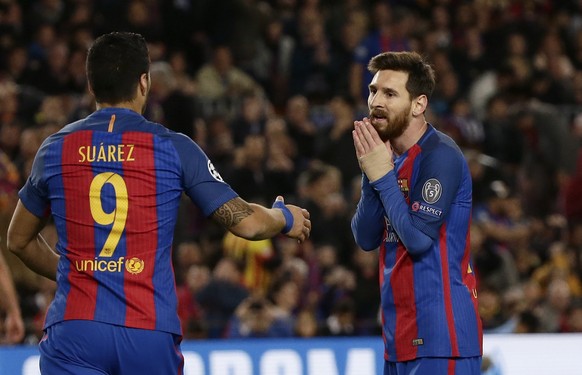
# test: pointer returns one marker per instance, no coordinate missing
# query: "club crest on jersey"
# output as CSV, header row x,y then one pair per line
x,y
214,172
431,191
403,183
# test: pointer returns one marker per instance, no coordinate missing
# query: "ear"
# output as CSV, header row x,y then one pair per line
x,y
419,105
144,83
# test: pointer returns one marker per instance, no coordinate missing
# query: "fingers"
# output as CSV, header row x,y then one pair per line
x,y
357,141
371,131
365,136
302,228
306,230
363,143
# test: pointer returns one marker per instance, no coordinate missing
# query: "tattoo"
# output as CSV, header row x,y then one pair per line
x,y
232,212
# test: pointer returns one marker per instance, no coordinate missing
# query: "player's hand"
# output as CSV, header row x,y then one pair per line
x,y
300,225
14,328
374,156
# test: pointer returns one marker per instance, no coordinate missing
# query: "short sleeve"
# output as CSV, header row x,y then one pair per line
x,y
34,194
200,179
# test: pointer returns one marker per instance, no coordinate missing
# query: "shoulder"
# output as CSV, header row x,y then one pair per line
x,y
439,146
180,140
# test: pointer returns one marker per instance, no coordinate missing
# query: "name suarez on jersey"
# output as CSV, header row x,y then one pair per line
x,y
106,153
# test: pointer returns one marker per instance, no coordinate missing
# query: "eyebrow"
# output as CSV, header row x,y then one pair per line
x,y
385,90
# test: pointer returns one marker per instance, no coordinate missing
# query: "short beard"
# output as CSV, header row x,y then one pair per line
x,y
396,126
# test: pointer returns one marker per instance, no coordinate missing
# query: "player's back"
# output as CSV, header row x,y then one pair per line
x,y
114,185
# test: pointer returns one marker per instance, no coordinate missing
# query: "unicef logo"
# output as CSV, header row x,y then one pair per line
x,y
431,191
214,172
134,265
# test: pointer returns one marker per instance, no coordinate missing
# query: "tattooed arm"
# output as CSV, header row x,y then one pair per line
x,y
255,222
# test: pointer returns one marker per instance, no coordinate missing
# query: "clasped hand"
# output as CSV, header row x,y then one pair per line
x,y
374,156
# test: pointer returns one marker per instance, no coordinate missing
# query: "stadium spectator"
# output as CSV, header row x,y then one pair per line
x,y
220,297
256,317
306,324
342,320
222,79
335,142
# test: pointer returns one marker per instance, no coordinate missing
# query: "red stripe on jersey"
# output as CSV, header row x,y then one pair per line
x,y
141,230
381,265
447,290
470,280
402,281
77,177
451,369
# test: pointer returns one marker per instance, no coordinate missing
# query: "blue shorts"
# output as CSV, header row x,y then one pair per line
x,y
83,347
435,366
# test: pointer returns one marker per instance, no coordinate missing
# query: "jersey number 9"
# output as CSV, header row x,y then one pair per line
x,y
117,216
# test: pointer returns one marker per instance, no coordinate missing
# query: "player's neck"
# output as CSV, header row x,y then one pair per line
x,y
133,105
410,137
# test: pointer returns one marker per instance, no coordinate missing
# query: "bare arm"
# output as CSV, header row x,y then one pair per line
x,y
25,241
255,222
13,324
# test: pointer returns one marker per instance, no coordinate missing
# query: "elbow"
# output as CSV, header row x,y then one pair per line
x,y
419,245
14,246
368,247
16,242
366,242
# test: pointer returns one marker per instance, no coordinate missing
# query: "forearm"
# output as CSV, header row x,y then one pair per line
x,y
249,220
38,256
397,211
261,223
256,222
368,221
25,241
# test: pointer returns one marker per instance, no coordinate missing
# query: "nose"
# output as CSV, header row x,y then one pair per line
x,y
372,99
375,102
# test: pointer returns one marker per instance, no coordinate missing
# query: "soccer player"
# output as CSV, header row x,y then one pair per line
x,y
113,182
416,206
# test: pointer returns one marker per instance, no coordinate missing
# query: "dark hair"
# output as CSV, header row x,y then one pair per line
x,y
421,77
115,63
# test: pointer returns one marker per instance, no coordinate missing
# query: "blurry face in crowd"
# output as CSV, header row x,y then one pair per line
x,y
389,104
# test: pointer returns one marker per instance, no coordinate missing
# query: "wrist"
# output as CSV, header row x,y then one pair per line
x,y
376,163
286,214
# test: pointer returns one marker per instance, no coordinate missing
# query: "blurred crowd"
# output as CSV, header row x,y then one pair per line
x,y
270,89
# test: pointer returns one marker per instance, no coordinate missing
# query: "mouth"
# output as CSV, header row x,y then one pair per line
x,y
378,115
378,119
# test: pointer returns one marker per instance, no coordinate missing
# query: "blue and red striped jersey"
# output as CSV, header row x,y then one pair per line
x,y
419,214
113,182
